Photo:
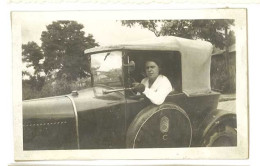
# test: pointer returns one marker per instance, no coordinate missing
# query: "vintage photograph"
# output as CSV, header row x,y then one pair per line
x,y
115,83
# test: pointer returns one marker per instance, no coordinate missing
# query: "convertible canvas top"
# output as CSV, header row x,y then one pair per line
x,y
195,59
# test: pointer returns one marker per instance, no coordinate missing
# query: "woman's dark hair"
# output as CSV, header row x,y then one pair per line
x,y
155,60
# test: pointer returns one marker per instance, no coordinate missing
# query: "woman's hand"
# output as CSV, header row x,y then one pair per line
x,y
138,87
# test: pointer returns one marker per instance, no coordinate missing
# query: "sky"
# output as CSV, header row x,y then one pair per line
x,y
105,32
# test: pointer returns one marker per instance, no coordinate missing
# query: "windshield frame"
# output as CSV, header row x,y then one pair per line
x,y
122,68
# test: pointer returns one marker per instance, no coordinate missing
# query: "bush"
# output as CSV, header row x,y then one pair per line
x,y
223,79
52,88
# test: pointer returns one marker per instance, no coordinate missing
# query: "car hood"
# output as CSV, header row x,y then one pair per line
x,y
62,106
93,98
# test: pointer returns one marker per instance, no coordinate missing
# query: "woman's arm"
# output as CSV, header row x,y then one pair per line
x,y
158,95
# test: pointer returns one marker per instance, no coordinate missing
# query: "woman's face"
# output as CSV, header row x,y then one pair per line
x,y
152,70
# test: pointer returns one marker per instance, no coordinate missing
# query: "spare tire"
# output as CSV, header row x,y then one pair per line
x,y
164,126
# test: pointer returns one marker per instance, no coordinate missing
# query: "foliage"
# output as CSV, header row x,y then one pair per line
x,y
53,87
209,30
59,62
32,86
32,54
220,80
63,45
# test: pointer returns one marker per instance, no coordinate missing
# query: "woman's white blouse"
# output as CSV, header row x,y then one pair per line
x,y
159,89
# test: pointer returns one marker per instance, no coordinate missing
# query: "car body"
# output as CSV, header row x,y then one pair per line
x,y
109,115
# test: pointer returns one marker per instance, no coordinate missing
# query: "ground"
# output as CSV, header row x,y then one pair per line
x,y
227,102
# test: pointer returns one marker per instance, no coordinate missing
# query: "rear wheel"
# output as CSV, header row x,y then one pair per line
x,y
164,126
221,136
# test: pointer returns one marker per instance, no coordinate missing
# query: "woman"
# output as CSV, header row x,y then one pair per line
x,y
155,86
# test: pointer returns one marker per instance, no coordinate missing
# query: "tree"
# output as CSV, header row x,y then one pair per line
x,y
209,30
32,54
63,46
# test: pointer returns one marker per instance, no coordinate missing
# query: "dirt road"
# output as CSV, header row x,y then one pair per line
x,y
227,105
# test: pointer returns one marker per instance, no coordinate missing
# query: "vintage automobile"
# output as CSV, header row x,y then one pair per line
x,y
110,115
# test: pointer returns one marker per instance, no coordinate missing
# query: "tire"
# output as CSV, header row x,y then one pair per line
x,y
164,126
221,136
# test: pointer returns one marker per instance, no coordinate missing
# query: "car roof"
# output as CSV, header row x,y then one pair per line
x,y
163,43
195,58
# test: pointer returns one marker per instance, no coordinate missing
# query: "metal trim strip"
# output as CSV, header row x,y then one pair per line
x,y
76,118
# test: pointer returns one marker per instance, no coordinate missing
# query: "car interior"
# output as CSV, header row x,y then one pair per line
x,y
171,66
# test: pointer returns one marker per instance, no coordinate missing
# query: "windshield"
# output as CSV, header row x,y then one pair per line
x,y
106,68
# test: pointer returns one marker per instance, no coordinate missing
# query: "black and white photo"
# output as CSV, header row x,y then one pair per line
x,y
163,86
